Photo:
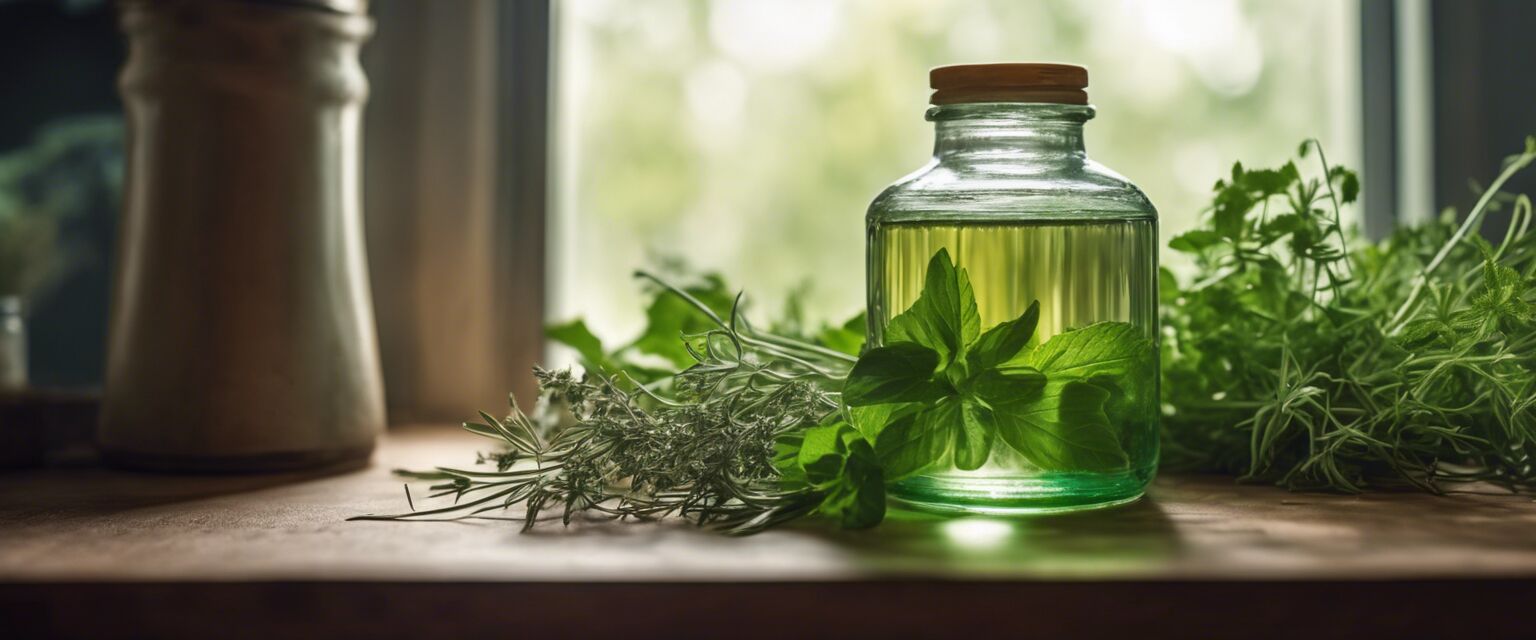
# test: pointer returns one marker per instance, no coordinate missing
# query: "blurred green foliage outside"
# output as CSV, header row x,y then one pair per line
x,y
749,136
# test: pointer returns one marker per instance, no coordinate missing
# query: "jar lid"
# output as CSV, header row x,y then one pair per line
x,y
1009,82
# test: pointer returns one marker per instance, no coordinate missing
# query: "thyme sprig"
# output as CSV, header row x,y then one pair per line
x,y
700,445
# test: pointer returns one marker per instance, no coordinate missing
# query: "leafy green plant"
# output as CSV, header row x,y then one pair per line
x,y
1299,354
72,168
950,392
760,427
1296,353
747,435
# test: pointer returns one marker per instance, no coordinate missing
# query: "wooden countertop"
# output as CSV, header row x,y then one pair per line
x,y
1199,549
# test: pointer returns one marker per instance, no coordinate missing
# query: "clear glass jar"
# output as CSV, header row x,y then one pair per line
x,y
1014,199
13,345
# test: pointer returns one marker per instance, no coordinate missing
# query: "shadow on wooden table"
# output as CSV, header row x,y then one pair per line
x,y
89,488
1126,540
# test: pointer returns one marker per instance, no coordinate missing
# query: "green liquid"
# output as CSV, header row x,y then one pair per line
x,y
1081,273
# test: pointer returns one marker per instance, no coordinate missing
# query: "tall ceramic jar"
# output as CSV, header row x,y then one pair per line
x,y
242,335
1026,228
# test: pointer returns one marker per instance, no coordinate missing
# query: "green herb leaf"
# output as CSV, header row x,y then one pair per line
x,y
1503,294
821,454
906,448
1018,384
1064,429
1194,241
846,338
974,433
576,335
669,317
1004,341
870,420
857,499
1311,357
899,372
786,459
1100,349
836,461
944,318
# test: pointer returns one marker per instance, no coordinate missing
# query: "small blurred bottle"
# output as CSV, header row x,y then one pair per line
x,y
13,345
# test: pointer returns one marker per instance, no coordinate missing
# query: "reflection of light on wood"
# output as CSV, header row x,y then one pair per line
x,y
978,533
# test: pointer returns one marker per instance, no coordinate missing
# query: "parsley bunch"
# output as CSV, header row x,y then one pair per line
x,y
1303,355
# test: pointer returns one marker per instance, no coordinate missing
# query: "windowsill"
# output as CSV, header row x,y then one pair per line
x,y
93,531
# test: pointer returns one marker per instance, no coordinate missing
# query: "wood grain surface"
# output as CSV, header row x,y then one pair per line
x,y
1199,550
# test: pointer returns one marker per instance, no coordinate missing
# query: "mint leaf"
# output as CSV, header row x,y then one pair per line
x,y
1018,383
833,460
1101,349
870,420
914,442
906,449
847,337
942,420
899,372
974,433
1004,341
1062,428
821,454
857,500
1194,241
669,317
576,335
786,459
1066,427
944,317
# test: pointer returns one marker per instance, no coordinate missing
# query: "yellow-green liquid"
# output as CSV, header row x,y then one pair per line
x,y
1081,273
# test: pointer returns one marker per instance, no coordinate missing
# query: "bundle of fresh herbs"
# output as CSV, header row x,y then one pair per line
x,y
1296,353
940,391
1301,355
761,427
746,436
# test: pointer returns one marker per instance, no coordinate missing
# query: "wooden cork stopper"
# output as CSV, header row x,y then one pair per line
x,y
1009,82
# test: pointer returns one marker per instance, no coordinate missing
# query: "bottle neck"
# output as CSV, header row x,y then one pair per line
x,y
1036,132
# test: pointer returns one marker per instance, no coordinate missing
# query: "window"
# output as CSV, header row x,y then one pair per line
x,y
748,137
60,165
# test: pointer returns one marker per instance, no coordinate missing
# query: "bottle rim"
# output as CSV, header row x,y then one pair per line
x,y
1021,111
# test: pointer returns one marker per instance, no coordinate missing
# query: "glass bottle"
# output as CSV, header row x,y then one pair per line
x,y
13,345
1012,197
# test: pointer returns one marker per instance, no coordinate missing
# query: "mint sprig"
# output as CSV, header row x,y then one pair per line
x,y
950,392
837,463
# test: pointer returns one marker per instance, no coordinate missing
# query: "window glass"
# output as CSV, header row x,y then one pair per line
x,y
61,139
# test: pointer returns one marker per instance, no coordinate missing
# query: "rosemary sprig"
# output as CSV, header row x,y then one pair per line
x,y
700,445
